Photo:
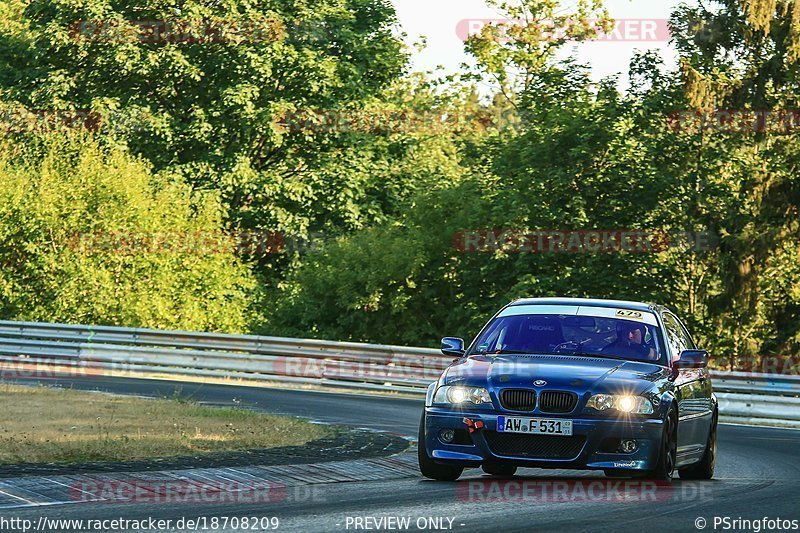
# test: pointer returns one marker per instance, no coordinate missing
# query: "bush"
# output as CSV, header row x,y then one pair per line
x,y
84,236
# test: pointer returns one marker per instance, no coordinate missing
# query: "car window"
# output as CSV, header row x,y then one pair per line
x,y
677,336
566,334
691,344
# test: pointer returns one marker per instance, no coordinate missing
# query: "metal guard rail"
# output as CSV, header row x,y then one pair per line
x,y
31,348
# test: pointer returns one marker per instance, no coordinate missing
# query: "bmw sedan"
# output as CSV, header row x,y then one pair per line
x,y
573,384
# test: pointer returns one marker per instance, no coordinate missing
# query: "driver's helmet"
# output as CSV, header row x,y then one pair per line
x,y
624,327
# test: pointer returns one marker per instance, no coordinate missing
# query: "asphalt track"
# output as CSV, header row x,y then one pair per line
x,y
758,474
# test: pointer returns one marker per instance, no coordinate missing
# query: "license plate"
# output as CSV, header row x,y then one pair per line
x,y
536,426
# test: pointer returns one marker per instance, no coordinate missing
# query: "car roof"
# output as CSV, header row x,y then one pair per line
x,y
594,302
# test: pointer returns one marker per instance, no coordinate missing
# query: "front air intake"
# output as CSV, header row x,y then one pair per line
x,y
557,401
523,400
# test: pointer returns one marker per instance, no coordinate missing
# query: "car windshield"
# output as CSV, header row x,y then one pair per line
x,y
569,334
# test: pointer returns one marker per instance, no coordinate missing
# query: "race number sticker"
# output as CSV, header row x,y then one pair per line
x,y
627,313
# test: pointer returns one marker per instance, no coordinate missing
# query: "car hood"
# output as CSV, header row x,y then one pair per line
x,y
562,372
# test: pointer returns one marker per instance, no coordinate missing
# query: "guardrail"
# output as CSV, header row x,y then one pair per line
x,y
28,349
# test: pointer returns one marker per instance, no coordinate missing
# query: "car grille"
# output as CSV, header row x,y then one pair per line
x,y
534,446
557,401
518,399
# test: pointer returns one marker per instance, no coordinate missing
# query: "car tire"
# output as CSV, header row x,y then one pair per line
x,y
705,468
494,469
428,467
667,456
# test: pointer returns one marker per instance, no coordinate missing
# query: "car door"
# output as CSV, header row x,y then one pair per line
x,y
689,385
702,391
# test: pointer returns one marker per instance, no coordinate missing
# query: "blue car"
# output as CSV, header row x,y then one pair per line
x,y
573,384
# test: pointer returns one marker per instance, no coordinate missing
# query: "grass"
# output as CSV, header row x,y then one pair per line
x,y
40,424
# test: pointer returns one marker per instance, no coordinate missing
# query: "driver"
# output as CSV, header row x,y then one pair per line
x,y
630,342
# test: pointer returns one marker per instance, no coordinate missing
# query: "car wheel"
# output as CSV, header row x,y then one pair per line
x,y
428,467
705,468
494,469
665,468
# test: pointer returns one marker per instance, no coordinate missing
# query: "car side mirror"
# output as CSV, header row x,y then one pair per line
x,y
692,359
453,346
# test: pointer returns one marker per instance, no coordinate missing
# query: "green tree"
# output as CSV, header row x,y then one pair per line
x,y
93,236
205,89
515,52
742,59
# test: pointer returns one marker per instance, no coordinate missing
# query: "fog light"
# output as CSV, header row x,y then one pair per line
x,y
447,436
628,446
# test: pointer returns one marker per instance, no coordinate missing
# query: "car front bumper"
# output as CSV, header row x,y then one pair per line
x,y
588,451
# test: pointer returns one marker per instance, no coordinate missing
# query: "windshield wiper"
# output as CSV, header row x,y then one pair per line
x,y
606,356
586,354
503,352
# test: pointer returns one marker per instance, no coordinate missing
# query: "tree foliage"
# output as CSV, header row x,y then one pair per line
x,y
96,238
586,156
311,127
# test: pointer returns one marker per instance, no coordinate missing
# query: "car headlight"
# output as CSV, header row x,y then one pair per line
x,y
625,403
459,395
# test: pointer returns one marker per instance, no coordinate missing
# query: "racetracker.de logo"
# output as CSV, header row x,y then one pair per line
x,y
623,30
577,491
177,31
31,368
177,491
20,120
735,121
580,241
397,368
